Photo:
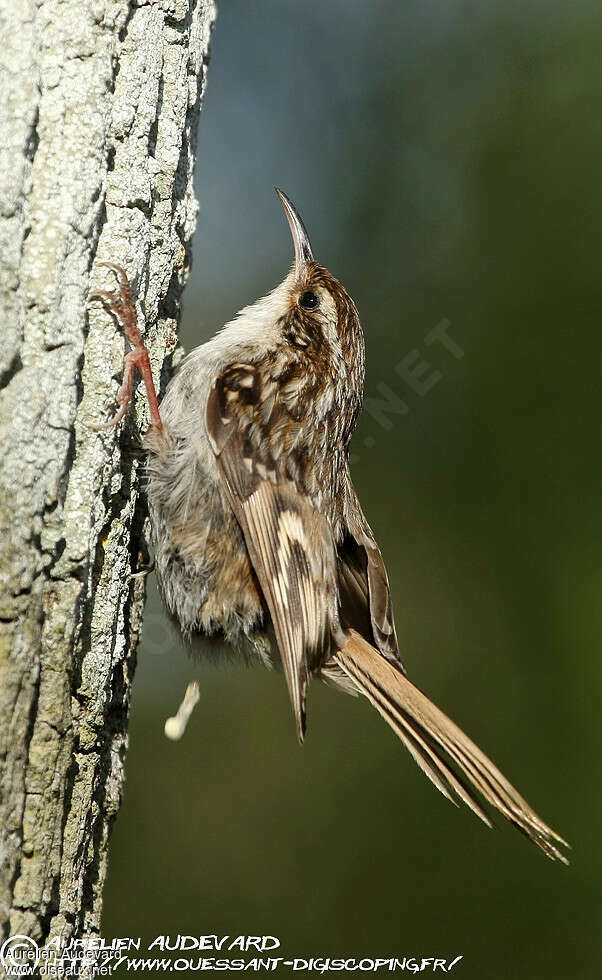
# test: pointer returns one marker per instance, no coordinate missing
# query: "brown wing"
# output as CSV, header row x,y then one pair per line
x,y
364,586
289,543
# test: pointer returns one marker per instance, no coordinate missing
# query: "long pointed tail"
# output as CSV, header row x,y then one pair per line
x,y
448,757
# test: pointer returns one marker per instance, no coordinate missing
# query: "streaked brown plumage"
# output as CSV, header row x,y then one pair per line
x,y
259,535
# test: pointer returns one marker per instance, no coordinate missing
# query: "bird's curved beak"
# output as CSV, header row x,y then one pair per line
x,y
303,250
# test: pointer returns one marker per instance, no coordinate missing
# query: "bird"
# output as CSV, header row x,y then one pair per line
x,y
259,537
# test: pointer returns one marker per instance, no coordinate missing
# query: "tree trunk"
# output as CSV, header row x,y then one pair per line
x,y
98,115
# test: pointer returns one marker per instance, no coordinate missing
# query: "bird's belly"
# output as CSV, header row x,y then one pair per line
x,y
233,604
203,568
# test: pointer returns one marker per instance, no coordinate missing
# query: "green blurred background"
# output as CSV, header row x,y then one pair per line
x,y
446,158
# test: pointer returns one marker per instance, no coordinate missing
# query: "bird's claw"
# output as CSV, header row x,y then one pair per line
x,y
121,305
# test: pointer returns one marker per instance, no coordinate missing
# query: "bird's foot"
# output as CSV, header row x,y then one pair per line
x,y
120,303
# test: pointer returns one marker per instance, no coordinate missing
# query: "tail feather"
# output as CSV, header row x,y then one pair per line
x,y
438,745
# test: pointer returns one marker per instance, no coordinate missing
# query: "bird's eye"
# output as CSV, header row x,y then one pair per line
x,y
308,300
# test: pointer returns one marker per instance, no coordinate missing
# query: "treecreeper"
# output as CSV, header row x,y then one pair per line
x,y
259,536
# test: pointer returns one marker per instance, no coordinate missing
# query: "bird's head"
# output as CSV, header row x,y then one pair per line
x,y
306,336
316,311
308,313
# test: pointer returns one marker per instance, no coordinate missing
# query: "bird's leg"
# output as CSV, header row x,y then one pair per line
x,y
121,305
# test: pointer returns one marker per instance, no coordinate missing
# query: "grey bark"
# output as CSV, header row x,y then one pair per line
x,y
99,104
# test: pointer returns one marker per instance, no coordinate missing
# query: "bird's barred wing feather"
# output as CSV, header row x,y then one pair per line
x,y
293,554
364,584
289,543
